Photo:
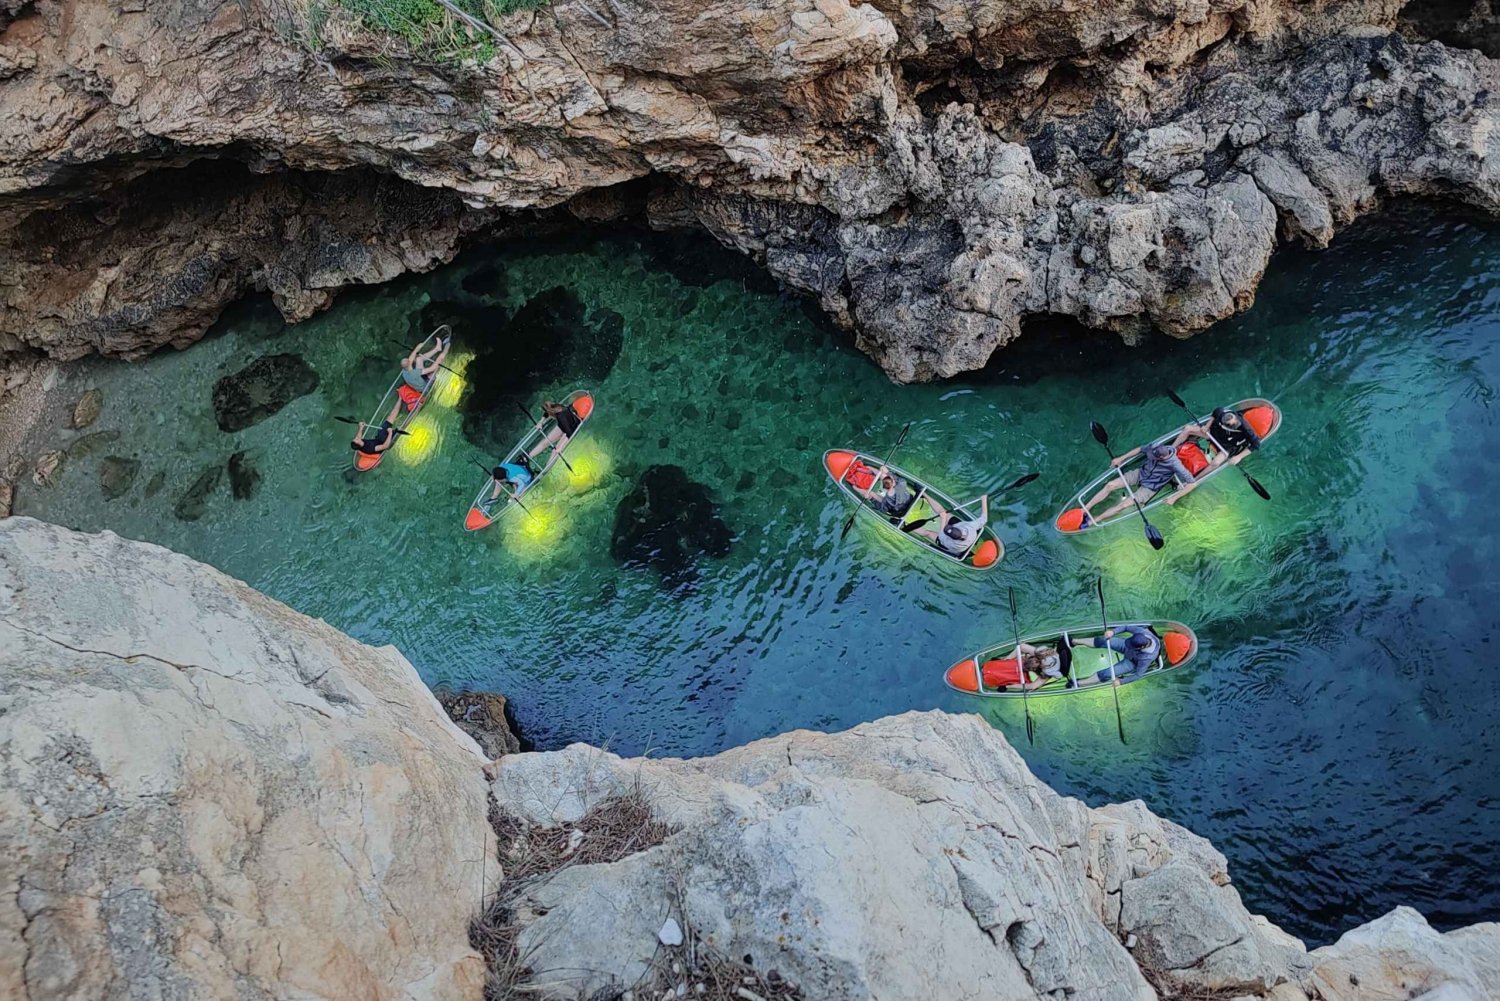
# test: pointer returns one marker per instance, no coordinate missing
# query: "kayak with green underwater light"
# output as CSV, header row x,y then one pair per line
x,y
366,461
484,512
1199,455
851,470
992,672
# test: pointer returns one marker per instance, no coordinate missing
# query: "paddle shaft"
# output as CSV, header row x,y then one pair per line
x,y
351,420
1254,483
398,344
1020,671
1102,437
849,522
490,474
1109,654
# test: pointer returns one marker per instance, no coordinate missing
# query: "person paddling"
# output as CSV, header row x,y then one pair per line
x,y
518,475
567,425
1139,645
1229,429
1161,467
957,535
385,434
418,369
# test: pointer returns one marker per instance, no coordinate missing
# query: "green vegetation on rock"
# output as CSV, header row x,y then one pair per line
x,y
427,28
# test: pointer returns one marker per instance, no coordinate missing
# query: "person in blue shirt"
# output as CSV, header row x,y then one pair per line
x,y
518,476
1148,479
1138,645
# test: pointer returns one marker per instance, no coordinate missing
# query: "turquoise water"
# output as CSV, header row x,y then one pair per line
x,y
1335,738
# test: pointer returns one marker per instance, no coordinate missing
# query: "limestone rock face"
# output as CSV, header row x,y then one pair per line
x,y
913,857
208,795
933,171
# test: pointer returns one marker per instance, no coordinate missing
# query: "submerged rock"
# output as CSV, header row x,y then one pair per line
x,y
667,522
260,389
88,408
244,478
86,445
548,339
487,281
48,468
209,795
154,485
192,504
116,474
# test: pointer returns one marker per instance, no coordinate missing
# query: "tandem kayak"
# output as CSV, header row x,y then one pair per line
x,y
845,465
1197,454
363,461
483,512
975,675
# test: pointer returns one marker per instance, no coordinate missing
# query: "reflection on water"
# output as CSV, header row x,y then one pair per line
x,y
1335,737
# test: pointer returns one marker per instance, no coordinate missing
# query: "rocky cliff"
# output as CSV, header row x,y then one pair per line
x,y
932,172
208,795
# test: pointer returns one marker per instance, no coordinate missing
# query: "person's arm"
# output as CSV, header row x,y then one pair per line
x,y
1120,460
1250,434
984,511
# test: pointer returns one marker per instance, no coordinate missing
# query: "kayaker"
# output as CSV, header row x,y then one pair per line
x,y
1043,664
1147,480
1230,431
895,498
418,369
1139,645
567,425
957,536
385,434
517,475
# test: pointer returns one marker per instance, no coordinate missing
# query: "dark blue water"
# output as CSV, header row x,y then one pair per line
x,y
1336,738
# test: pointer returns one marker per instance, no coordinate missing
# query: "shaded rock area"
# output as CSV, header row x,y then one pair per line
x,y
667,522
117,475
931,173
193,503
260,389
244,478
550,338
485,716
209,795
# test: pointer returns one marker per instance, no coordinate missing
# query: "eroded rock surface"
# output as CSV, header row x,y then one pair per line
x,y
208,795
932,172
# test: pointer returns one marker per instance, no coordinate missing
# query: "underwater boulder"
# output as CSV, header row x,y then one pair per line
x,y
192,504
116,474
260,389
667,522
244,478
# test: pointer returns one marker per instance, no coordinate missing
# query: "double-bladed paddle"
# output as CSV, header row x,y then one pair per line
x,y
527,411
1152,535
1021,671
398,344
1104,617
849,522
514,496
351,420
913,526
1254,483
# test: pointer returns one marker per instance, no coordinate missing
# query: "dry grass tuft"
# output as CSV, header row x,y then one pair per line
x,y
697,970
613,829
1169,989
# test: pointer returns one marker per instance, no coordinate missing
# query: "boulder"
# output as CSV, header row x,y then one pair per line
x,y
260,389
208,795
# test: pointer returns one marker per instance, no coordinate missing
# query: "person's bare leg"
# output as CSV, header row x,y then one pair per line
x,y
547,439
1122,505
394,411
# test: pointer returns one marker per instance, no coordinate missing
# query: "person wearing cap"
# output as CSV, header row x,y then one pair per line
x,y
1161,467
1232,433
896,497
957,535
1138,645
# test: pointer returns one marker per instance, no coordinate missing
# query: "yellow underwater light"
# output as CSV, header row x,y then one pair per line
x,y
419,442
452,386
588,466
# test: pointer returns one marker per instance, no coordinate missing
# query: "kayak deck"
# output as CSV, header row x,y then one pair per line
x,y
987,550
1179,646
1262,415
482,514
364,461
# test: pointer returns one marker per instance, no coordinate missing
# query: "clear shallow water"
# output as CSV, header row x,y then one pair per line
x,y
1336,738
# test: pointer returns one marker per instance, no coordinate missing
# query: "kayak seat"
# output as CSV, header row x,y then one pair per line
x,y
1177,647
1262,420
1070,520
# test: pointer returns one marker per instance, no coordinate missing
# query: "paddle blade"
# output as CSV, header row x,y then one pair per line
x,y
1154,537
902,437
1177,399
848,524
1030,729
344,420
1255,485
1012,601
1097,430
1023,481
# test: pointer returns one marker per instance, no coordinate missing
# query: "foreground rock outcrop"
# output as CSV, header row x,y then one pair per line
x,y
204,794
934,173
208,795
